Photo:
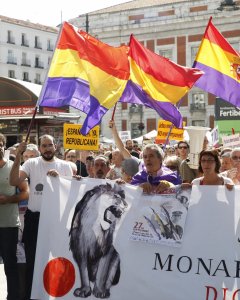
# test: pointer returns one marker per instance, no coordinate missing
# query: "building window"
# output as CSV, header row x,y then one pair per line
x,y
37,80
11,59
38,45
135,131
11,74
49,45
10,38
25,42
49,61
235,46
38,63
25,61
167,53
26,76
198,102
194,51
198,123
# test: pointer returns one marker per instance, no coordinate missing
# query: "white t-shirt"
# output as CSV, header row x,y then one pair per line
x,y
36,169
197,181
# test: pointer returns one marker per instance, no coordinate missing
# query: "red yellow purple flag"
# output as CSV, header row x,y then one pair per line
x,y
221,66
86,74
157,82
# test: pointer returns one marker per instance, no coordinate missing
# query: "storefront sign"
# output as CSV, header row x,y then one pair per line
x,y
73,139
17,110
226,111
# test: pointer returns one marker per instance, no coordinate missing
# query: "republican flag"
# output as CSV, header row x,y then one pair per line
x,y
85,74
221,66
157,82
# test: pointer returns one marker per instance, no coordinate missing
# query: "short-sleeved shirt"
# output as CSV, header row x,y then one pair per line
x,y
9,216
36,169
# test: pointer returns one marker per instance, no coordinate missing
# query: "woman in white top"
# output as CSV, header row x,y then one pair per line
x,y
209,166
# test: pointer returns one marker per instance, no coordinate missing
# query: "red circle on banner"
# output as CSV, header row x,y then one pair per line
x,y
58,277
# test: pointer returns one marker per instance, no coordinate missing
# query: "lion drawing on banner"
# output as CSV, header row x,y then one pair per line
x,y
91,239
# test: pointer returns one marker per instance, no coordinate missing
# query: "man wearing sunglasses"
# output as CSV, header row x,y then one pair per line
x,y
187,174
182,150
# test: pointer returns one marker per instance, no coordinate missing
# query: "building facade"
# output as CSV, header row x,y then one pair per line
x,y
173,29
26,49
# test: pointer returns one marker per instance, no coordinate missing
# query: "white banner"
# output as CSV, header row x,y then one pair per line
x,y
84,247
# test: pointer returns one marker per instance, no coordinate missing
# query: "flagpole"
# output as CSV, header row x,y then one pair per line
x,y
42,90
171,128
114,110
179,103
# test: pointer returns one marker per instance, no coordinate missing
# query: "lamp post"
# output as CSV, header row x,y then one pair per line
x,y
141,124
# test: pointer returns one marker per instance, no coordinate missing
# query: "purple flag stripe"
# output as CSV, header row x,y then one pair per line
x,y
133,93
63,91
218,84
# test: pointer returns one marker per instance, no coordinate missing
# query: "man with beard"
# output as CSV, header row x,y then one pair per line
x,y
9,222
100,167
36,169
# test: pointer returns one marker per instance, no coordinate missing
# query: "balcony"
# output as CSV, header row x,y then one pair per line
x,y
37,81
50,48
26,79
11,40
135,109
39,65
38,46
26,63
198,107
25,43
12,60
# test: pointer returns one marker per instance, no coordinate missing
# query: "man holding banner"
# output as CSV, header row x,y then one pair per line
x,y
155,178
36,169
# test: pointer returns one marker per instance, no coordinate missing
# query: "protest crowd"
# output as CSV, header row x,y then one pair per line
x,y
155,168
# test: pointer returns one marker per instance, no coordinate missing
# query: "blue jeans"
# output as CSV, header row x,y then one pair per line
x,y
8,249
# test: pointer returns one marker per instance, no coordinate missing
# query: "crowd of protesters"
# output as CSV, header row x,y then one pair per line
x,y
155,168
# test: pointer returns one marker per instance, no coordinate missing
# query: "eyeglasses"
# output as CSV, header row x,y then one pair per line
x,y
71,156
207,161
236,158
172,167
182,147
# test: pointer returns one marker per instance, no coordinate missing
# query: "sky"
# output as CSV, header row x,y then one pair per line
x,y
49,12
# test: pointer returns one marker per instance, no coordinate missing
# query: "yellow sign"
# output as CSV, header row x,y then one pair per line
x,y
163,131
73,139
